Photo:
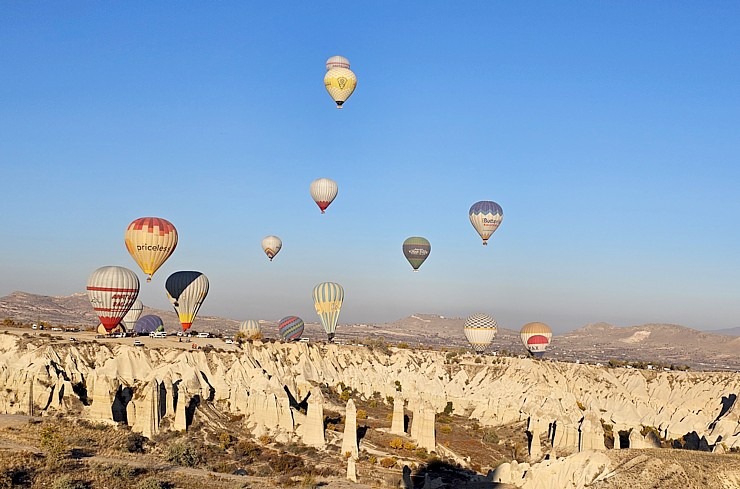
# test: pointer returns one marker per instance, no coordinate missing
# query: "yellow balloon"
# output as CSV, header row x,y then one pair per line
x,y
150,240
340,83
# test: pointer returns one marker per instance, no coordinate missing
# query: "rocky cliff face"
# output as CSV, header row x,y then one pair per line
x,y
266,382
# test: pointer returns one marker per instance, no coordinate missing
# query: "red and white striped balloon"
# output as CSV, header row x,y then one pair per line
x,y
112,291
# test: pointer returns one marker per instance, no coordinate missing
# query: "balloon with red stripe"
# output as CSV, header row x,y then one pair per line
x,y
112,291
323,192
536,338
290,328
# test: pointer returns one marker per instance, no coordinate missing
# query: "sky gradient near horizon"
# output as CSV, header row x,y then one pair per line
x,y
608,132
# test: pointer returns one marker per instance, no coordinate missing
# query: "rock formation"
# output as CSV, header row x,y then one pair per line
x,y
422,427
349,442
115,382
313,428
398,425
591,433
352,469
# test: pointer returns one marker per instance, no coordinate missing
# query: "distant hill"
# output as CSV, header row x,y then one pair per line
x,y
727,332
75,310
594,343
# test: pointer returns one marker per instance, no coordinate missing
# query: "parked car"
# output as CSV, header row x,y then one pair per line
x,y
229,342
138,343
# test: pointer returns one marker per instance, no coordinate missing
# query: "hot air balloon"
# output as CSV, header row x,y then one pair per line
x,y
480,329
290,328
323,192
150,240
129,320
250,328
271,246
536,337
337,62
485,216
149,324
327,298
112,291
186,291
416,249
339,80
120,328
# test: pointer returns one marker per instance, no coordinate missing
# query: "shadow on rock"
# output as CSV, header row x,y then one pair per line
x,y
438,474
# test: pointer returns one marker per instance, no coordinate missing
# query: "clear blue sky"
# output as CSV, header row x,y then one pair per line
x,y
609,132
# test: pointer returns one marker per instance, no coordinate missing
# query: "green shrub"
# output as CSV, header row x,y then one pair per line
x,y
225,440
490,436
121,472
135,442
183,454
54,445
151,483
65,482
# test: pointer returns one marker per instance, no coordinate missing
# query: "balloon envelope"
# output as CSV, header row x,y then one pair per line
x,y
480,329
327,299
120,328
150,241
340,83
148,324
250,328
416,250
486,216
290,328
323,192
129,320
186,291
112,291
337,62
271,245
536,338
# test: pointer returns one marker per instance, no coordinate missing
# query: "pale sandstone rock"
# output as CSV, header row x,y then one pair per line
x,y
502,473
397,424
566,436
535,447
352,469
313,429
422,427
513,389
591,433
102,394
349,441
575,472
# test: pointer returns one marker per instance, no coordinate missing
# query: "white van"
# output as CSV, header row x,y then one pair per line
x,y
204,335
158,334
